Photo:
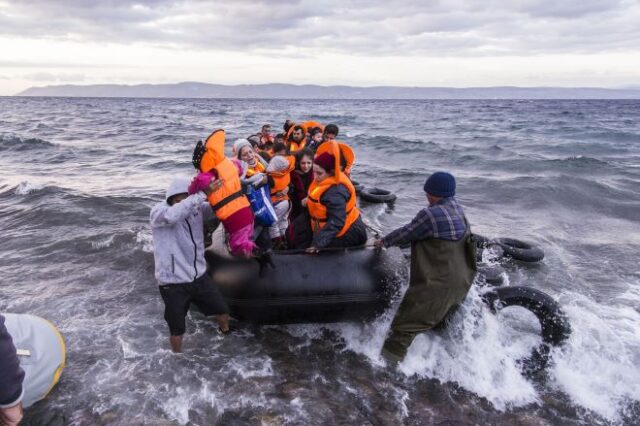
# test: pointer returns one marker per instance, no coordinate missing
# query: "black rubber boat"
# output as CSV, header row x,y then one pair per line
x,y
341,285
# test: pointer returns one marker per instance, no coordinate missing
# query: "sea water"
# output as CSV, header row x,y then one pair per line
x,y
77,180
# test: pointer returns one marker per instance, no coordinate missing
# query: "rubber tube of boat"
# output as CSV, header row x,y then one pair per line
x,y
335,285
41,351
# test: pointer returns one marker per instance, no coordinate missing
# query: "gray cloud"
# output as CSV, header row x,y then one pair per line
x,y
440,28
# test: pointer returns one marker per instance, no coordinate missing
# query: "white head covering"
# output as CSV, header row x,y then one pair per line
x,y
179,185
238,145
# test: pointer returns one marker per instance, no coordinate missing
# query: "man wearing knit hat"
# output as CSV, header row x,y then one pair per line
x,y
443,265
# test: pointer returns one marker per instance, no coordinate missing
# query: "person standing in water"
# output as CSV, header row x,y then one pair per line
x,y
177,226
443,265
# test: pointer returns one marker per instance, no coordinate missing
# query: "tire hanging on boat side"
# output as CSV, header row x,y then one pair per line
x,y
554,324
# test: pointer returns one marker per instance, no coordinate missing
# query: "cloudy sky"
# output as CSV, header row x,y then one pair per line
x,y
455,43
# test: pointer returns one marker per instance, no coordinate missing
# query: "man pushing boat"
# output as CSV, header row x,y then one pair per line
x,y
443,265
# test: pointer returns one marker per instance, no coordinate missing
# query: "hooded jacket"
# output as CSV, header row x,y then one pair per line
x,y
178,239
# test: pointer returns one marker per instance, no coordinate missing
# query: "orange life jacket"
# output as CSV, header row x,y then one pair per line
x,y
306,126
281,181
295,146
259,168
317,210
229,198
266,138
346,152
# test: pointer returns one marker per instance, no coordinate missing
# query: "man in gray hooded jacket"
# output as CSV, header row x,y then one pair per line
x,y
177,226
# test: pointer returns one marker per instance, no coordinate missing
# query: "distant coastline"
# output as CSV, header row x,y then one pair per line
x,y
291,91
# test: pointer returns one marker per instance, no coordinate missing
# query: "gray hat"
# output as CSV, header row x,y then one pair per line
x,y
278,164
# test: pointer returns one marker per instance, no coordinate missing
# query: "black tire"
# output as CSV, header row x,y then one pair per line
x,y
377,195
357,186
519,250
554,324
492,274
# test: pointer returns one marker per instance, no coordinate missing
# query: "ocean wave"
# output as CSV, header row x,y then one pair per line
x,y
394,145
581,160
19,144
163,137
25,188
52,205
616,136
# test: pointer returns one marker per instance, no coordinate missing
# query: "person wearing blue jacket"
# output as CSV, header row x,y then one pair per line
x,y
177,226
11,377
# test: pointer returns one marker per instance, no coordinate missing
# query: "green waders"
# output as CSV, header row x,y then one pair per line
x,y
441,273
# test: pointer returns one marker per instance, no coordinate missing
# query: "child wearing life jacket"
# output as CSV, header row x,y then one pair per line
x,y
256,166
278,173
315,138
229,203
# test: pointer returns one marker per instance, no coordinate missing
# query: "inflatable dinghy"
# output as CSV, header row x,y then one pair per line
x,y
337,285
41,351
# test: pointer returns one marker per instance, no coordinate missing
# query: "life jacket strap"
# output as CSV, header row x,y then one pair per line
x,y
220,204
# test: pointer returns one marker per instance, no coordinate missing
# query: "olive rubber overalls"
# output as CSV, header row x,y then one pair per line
x,y
440,276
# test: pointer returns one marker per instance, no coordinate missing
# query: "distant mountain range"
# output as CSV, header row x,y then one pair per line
x,y
290,91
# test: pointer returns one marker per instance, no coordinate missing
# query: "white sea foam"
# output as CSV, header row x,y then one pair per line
x,y
598,368
478,352
144,238
104,243
25,188
177,405
252,367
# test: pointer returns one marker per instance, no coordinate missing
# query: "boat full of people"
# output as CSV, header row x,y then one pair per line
x,y
293,246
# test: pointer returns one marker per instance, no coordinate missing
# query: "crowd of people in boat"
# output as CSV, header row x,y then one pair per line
x,y
310,195
305,200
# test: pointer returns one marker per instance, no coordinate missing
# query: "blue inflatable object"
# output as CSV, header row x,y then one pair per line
x,y
260,199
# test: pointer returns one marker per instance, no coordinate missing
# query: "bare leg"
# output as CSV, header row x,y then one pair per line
x,y
176,343
223,322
